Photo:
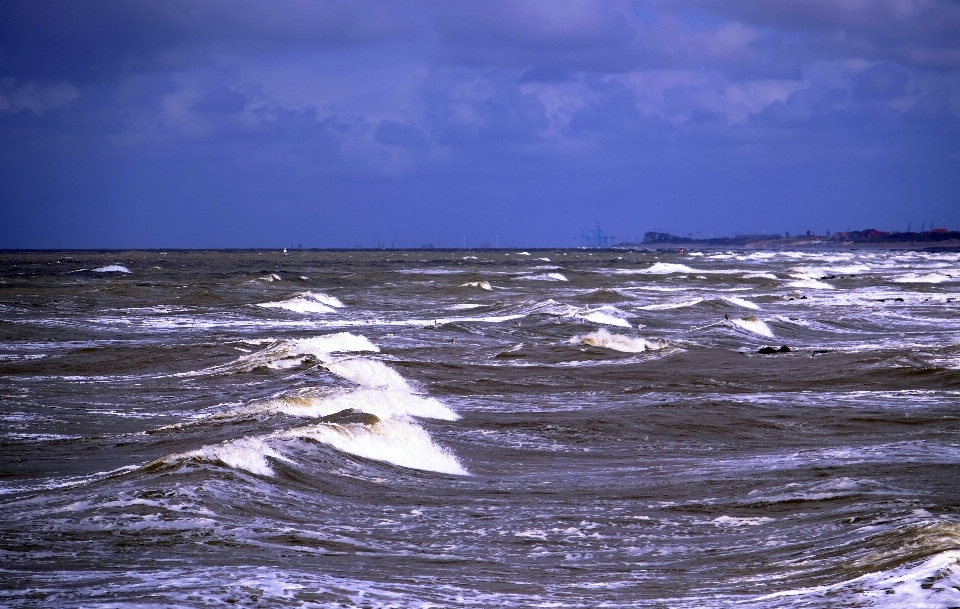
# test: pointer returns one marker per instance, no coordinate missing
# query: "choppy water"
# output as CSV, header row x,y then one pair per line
x,y
558,429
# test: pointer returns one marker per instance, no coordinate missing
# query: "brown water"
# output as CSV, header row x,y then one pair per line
x,y
595,429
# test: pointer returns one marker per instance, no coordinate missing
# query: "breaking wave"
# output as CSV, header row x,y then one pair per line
x,y
308,302
754,325
617,342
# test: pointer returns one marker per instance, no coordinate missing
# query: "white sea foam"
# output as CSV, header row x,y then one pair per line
x,y
112,268
731,521
741,302
483,285
384,403
925,278
752,324
249,454
665,268
543,277
812,284
933,583
671,305
617,342
465,306
368,373
290,353
308,302
606,315
670,268
818,272
341,342
760,276
393,441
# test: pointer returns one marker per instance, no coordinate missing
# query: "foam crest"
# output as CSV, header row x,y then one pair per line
x,y
393,441
483,285
812,284
308,302
609,316
926,278
248,454
543,277
290,353
384,403
112,268
368,373
753,324
928,574
340,342
617,342
740,302
671,305
666,268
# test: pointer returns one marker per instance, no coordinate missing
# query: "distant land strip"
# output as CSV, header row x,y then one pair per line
x,y
939,239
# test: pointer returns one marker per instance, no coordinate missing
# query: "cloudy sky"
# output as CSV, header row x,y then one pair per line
x,y
222,123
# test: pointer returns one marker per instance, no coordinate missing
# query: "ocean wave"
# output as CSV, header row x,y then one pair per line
x,y
740,302
395,441
543,277
483,285
671,305
813,284
617,342
384,403
368,373
112,268
308,302
754,325
289,353
925,278
249,454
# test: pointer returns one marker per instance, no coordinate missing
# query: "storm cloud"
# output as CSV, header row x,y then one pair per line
x,y
338,124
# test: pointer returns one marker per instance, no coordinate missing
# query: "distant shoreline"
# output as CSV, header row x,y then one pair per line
x,y
802,244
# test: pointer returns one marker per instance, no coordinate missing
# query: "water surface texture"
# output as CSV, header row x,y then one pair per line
x,y
480,429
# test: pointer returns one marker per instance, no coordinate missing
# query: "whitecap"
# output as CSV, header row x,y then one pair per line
x,y
671,305
382,402
308,302
112,268
368,373
927,278
544,277
465,306
740,302
606,315
812,284
617,342
752,324
249,454
393,441
483,285
732,521
664,268
290,353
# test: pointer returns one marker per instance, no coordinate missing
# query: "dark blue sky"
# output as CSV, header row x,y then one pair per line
x,y
186,123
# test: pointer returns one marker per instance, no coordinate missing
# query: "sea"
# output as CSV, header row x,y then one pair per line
x,y
480,428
